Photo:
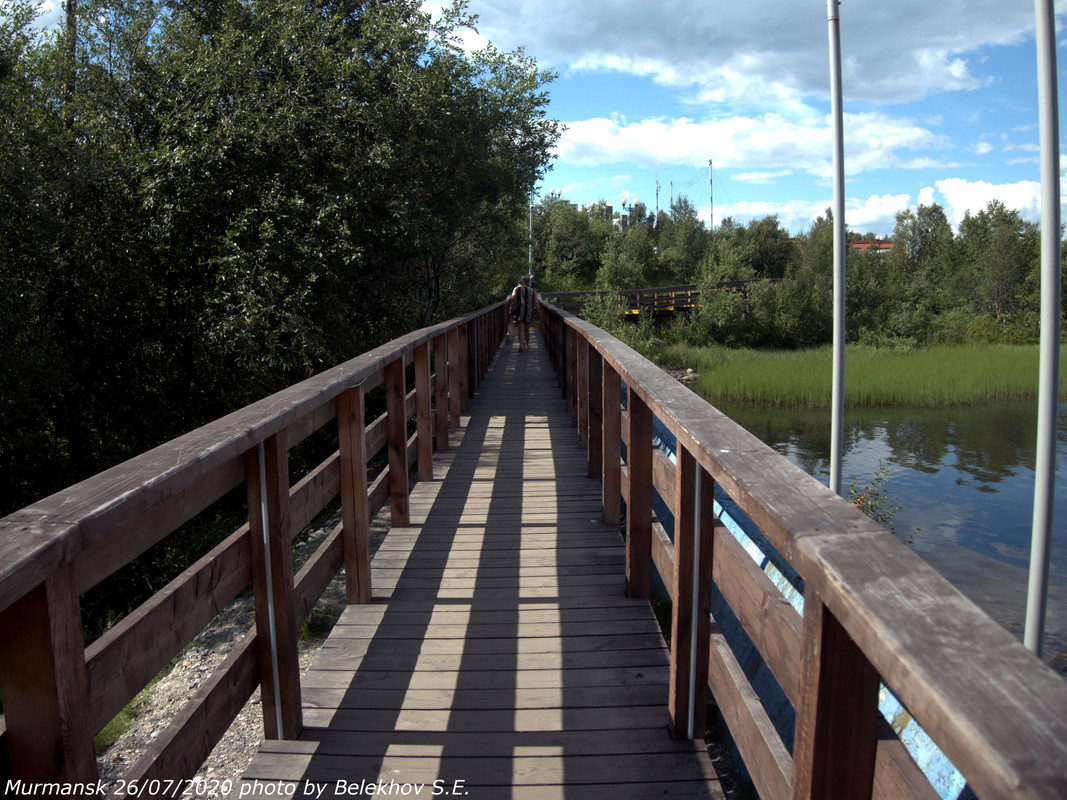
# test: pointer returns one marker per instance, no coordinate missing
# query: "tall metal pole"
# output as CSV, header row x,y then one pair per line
x,y
1044,480
529,269
838,393
711,189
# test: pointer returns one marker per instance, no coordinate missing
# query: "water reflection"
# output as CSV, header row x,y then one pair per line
x,y
964,476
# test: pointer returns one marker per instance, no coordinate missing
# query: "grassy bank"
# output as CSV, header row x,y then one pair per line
x,y
937,376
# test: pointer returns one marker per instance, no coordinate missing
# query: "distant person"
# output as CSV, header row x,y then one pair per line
x,y
522,304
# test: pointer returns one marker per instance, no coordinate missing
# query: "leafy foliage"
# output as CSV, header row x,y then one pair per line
x,y
203,201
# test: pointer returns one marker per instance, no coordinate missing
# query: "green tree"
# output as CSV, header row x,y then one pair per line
x,y
569,243
216,199
628,261
999,251
683,242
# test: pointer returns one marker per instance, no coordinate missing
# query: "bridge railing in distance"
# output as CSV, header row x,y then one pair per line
x,y
874,612
659,301
57,693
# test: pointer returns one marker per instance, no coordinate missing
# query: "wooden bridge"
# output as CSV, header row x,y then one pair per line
x,y
500,643
660,301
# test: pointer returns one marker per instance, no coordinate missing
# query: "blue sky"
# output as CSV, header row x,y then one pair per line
x,y
940,103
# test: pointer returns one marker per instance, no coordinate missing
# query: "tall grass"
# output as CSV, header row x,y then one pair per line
x,y
937,376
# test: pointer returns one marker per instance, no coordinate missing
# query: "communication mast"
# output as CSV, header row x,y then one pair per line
x,y
711,187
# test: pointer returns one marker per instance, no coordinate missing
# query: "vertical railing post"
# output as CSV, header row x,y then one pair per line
x,y
440,387
836,726
471,330
272,586
572,375
582,390
611,482
694,526
638,497
596,412
396,437
423,412
455,379
355,516
45,685
463,366
561,361
486,341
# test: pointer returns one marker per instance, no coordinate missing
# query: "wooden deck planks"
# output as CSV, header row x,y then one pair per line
x,y
500,651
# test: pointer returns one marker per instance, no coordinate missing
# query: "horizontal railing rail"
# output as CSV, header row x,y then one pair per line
x,y
57,693
873,613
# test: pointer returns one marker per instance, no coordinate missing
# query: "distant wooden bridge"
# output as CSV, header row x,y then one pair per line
x,y
660,301
500,643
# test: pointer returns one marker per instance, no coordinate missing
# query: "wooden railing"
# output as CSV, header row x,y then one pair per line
x,y
659,301
873,611
57,693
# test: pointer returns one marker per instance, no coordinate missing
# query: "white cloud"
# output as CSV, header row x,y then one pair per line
x,y
877,213
960,196
892,51
763,147
761,177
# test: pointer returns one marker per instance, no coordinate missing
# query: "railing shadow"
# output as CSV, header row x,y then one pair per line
x,y
491,665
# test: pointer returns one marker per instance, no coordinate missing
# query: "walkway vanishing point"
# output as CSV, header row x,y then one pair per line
x,y
500,655
502,636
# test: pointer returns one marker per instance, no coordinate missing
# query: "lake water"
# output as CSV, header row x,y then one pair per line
x,y
964,477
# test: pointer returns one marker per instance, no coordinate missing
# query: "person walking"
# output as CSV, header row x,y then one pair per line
x,y
522,305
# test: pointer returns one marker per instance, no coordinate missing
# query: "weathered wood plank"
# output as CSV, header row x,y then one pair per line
x,y
351,415
595,450
124,659
659,768
423,412
44,683
440,391
771,622
693,528
836,729
766,758
638,497
272,582
396,437
612,451
582,393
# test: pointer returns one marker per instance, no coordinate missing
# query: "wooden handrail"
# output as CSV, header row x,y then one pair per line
x,y
873,610
58,693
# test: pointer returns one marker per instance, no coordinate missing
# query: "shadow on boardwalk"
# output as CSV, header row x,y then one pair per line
x,y
500,657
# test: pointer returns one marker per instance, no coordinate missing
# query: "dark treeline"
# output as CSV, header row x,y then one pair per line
x,y
204,201
935,286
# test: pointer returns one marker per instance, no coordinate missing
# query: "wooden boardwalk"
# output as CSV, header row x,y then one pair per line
x,y
500,657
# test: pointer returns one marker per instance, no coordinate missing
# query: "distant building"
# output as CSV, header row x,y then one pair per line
x,y
863,245
878,245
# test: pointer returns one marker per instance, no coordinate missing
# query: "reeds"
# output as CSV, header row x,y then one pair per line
x,y
931,377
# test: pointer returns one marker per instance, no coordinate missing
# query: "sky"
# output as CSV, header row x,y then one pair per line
x,y
940,104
